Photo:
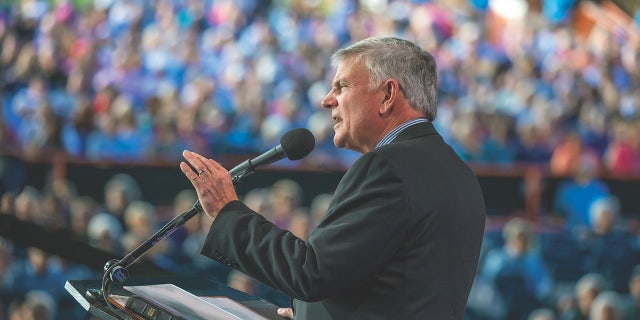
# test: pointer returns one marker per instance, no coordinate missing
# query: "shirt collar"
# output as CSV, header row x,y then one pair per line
x,y
397,130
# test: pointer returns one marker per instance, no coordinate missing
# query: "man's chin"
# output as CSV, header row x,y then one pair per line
x,y
338,142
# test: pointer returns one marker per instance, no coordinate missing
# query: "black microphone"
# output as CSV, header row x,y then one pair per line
x,y
294,145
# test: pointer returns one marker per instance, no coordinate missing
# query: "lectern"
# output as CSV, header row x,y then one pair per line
x,y
198,286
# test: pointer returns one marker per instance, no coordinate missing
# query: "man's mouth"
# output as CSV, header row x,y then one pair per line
x,y
337,121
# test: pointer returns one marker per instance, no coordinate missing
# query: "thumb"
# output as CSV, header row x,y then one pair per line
x,y
286,312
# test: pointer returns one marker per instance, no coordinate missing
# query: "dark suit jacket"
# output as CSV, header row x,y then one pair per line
x,y
400,241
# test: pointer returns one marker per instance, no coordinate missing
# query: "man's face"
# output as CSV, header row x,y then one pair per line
x,y
353,108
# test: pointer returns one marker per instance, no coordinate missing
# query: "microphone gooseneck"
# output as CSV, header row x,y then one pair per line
x,y
294,145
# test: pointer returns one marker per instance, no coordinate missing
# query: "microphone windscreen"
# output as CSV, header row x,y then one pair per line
x,y
297,143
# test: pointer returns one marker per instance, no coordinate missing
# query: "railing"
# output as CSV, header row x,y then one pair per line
x,y
519,188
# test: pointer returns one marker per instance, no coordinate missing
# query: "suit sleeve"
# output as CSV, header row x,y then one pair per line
x,y
363,230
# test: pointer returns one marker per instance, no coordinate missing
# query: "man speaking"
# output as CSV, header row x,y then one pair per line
x,y
402,236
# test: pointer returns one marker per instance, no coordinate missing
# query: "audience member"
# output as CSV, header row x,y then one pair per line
x,y
55,212
542,314
82,209
631,301
140,218
37,274
571,151
8,269
285,199
318,208
104,232
257,199
63,190
610,248
575,195
300,225
37,305
623,152
119,192
587,289
183,201
7,203
606,306
28,205
517,272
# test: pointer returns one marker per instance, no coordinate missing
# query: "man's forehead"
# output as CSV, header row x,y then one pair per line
x,y
349,63
350,70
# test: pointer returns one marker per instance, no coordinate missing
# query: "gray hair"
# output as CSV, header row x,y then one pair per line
x,y
103,224
41,304
542,314
388,57
140,210
518,227
125,183
606,303
605,205
591,281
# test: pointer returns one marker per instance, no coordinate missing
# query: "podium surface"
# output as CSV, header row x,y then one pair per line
x,y
198,286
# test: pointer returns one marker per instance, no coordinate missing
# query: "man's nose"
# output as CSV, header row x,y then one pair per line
x,y
329,102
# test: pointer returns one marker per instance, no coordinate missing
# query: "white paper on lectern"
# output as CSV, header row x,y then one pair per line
x,y
233,307
185,304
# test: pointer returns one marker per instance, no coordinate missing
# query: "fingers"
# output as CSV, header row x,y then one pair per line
x,y
195,167
211,180
285,312
197,162
186,169
203,165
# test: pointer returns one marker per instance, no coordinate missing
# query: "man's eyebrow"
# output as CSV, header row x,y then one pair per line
x,y
341,83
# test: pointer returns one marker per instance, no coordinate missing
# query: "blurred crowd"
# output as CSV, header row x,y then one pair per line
x,y
142,80
531,273
118,225
584,268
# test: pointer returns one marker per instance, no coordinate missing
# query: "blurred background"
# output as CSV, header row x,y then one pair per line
x,y
100,97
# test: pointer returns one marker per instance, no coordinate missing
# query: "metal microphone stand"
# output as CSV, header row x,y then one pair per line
x,y
116,270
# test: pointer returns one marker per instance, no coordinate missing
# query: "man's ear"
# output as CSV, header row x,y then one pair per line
x,y
390,89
